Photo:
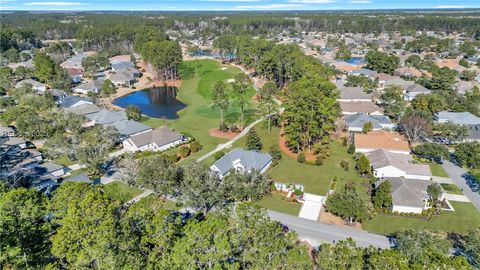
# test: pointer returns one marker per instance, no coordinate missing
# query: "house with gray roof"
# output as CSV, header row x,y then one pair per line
x,y
365,72
352,94
355,122
104,117
354,107
398,82
36,85
73,101
80,178
241,160
93,86
388,164
413,90
14,141
409,195
159,139
83,109
128,128
117,66
51,168
122,77
459,118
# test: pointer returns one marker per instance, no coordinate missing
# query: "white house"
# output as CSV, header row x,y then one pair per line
x,y
37,86
159,139
241,160
388,164
410,195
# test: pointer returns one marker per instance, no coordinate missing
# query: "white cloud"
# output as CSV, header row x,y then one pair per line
x,y
449,7
268,7
360,2
313,1
54,4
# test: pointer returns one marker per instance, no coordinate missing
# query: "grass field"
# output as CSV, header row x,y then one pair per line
x,y
153,202
121,191
464,218
437,170
279,203
199,116
452,189
63,160
316,179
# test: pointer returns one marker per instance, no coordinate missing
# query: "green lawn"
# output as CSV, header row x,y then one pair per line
x,y
279,203
63,160
316,179
437,170
199,116
452,189
121,191
464,218
153,202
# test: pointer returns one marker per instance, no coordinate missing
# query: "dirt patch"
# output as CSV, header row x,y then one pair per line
x,y
330,218
282,143
214,132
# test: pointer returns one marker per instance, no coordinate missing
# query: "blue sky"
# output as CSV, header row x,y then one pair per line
x,y
249,5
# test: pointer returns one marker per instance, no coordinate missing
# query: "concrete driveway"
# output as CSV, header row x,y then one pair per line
x,y
459,175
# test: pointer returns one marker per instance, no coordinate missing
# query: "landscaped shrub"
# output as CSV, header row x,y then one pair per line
x,y
234,128
218,155
319,161
301,157
344,141
223,127
351,149
274,151
297,192
195,146
345,165
184,151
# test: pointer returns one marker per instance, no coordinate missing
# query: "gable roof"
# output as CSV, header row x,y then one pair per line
x,y
91,86
360,107
248,159
129,127
459,118
409,192
33,83
107,117
121,76
417,88
359,119
69,101
381,158
353,93
122,65
80,178
380,139
83,109
399,81
160,136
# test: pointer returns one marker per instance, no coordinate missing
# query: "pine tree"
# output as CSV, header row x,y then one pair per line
x,y
252,141
363,165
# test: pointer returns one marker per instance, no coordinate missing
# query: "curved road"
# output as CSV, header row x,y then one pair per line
x,y
457,174
317,232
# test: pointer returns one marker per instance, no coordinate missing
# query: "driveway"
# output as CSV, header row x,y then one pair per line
x,y
312,206
459,175
318,232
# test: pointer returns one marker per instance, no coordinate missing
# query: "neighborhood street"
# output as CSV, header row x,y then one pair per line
x,y
316,232
456,173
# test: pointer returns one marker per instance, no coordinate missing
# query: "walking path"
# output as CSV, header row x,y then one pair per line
x,y
457,197
457,174
231,142
139,197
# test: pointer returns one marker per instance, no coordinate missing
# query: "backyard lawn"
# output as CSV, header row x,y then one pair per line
x,y
279,203
316,179
464,218
153,202
199,117
437,170
121,191
63,160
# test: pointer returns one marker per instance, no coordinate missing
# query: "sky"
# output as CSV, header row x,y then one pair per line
x,y
238,5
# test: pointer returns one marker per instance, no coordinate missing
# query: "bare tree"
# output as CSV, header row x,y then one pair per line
x,y
415,127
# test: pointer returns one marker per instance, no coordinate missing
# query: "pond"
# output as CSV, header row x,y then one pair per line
x,y
159,102
356,61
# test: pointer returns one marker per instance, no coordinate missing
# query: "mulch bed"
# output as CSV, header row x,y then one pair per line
x,y
214,132
282,143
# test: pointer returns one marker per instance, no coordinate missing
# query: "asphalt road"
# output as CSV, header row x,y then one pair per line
x,y
457,174
316,232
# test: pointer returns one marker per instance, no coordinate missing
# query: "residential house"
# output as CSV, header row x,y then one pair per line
x,y
388,164
93,86
122,77
413,90
241,160
355,122
353,94
27,64
36,85
366,72
57,94
76,60
379,139
75,74
74,101
83,109
410,195
128,128
117,66
81,178
397,81
159,139
408,72
104,117
51,168
6,132
354,107
14,141
459,118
